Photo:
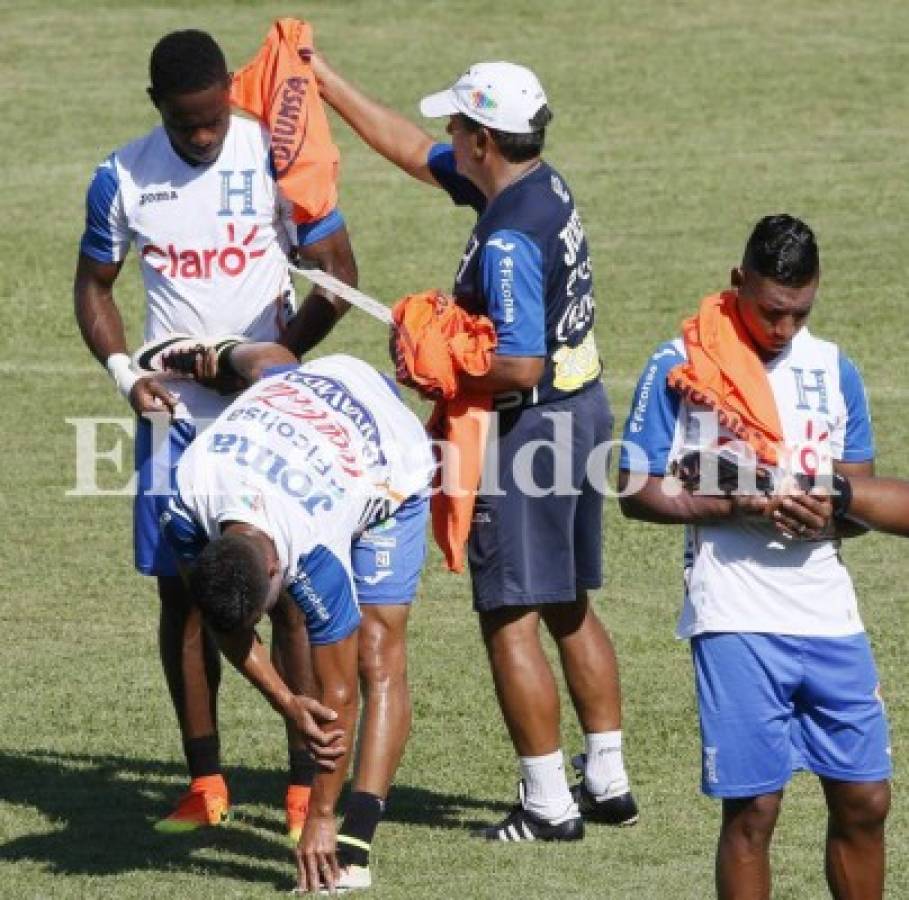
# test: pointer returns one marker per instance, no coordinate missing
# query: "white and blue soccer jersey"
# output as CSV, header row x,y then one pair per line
x,y
211,239
742,575
312,455
527,267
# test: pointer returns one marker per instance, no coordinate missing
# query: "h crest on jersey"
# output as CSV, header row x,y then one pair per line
x,y
230,191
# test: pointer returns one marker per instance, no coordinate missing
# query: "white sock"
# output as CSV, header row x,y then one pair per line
x,y
604,769
546,791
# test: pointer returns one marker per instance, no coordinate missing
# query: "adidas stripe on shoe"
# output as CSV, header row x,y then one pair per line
x,y
522,825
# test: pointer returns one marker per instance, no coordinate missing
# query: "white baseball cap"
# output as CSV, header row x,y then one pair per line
x,y
500,95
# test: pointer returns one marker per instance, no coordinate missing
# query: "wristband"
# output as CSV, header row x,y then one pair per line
x,y
224,349
841,496
121,370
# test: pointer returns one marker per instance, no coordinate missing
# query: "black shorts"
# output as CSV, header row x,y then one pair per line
x,y
543,545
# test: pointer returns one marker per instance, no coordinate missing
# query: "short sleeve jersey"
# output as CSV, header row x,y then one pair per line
x,y
211,239
527,267
743,576
312,455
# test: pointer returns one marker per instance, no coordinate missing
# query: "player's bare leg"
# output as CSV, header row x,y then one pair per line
x,y
529,700
589,663
386,719
192,667
855,853
384,728
192,664
591,671
743,851
291,657
524,682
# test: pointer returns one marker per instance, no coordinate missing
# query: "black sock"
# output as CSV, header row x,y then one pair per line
x,y
361,819
302,767
203,755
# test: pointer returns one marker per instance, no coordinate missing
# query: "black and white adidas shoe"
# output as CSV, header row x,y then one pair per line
x,y
522,825
619,810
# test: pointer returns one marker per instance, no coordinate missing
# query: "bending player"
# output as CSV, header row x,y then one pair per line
x,y
313,480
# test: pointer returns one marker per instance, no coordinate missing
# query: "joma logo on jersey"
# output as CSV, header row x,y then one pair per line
x,y
157,197
231,260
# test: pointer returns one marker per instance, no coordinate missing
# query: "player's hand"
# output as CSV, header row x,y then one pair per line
x,y
202,364
320,67
752,505
805,517
308,715
149,394
316,853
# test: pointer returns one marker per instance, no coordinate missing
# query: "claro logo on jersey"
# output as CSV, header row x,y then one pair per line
x,y
230,260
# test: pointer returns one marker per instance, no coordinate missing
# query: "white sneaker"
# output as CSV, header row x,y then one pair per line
x,y
353,878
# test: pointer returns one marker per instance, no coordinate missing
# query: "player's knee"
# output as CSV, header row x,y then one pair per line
x,y
866,807
340,695
751,822
382,657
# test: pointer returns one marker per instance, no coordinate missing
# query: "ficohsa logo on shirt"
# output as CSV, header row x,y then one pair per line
x,y
231,259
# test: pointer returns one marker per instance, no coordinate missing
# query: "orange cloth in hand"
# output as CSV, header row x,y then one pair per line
x,y
724,373
436,341
278,88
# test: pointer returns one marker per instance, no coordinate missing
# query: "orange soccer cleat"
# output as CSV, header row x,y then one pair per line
x,y
296,806
205,803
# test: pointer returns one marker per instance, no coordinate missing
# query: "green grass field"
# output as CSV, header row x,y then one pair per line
x,y
678,124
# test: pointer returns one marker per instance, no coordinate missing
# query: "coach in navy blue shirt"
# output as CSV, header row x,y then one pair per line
x,y
535,546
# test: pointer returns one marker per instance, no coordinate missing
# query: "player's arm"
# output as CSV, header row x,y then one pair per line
x,y
847,527
856,435
880,503
507,373
102,330
664,501
321,309
389,133
248,655
335,673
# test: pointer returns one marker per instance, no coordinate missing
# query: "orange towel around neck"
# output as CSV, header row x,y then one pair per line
x,y
724,373
436,342
278,88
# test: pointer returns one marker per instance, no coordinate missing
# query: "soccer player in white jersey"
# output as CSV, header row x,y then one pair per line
x,y
784,673
197,198
309,491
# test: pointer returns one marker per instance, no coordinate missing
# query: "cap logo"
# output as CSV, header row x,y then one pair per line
x,y
480,100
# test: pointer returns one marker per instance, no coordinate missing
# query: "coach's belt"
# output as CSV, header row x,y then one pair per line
x,y
516,399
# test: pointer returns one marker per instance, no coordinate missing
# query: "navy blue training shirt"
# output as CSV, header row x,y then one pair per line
x,y
527,267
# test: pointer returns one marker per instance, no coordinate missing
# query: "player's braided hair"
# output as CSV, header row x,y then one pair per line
x,y
186,61
783,248
229,582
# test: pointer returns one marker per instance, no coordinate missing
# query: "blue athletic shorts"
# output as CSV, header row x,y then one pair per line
x,y
527,550
387,558
772,704
156,468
